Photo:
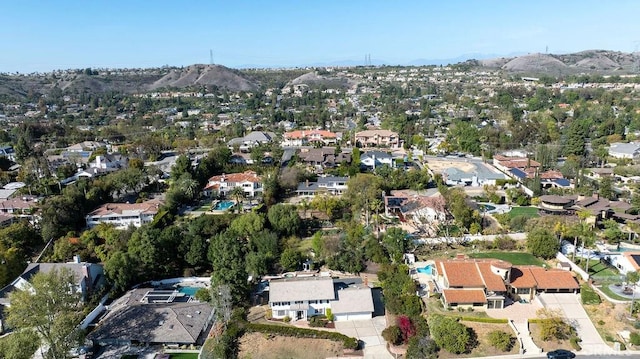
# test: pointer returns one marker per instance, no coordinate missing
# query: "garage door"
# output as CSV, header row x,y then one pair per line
x,y
352,316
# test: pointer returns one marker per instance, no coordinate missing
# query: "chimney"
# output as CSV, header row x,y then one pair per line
x,y
307,183
596,195
76,259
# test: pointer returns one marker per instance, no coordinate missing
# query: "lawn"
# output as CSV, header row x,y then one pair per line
x,y
598,269
184,355
515,258
530,212
606,290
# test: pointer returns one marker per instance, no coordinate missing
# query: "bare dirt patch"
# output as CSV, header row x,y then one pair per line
x,y
610,319
546,346
439,165
262,346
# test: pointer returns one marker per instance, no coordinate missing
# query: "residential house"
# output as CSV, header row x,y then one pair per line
x,y
374,159
377,138
425,212
488,283
504,163
301,298
151,316
553,204
8,152
88,277
324,157
629,150
304,137
625,262
330,185
114,161
6,193
223,184
123,215
6,220
481,175
20,207
251,140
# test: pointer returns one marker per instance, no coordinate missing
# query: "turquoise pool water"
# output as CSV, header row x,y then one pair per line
x,y
223,205
190,291
487,207
428,269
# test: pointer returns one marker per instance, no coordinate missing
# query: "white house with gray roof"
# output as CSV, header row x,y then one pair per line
x,y
252,139
302,298
624,150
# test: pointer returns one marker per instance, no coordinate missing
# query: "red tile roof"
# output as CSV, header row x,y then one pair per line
x,y
246,176
521,277
310,133
149,207
462,274
544,279
464,296
492,281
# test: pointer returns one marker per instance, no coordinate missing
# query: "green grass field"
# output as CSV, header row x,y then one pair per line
x,y
184,356
515,258
530,212
598,269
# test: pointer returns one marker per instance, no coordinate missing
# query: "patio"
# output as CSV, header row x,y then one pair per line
x,y
516,311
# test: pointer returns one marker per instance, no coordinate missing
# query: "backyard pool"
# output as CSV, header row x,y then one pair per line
x,y
223,205
190,291
487,207
428,269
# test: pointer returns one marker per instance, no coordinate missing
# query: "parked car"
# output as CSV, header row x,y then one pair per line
x,y
560,354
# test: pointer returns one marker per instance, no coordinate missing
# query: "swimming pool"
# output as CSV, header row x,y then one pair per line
x,y
428,269
223,205
190,291
487,207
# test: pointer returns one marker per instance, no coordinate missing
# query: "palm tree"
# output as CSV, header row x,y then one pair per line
x,y
237,193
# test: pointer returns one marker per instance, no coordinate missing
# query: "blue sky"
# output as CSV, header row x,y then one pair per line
x,y
45,35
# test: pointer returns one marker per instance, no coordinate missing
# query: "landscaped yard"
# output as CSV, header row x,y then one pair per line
x,y
609,319
483,348
530,212
515,258
184,356
546,346
259,345
597,268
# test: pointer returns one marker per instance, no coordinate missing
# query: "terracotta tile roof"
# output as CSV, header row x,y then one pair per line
x,y
554,278
247,176
522,278
492,281
464,296
310,133
462,274
381,133
107,209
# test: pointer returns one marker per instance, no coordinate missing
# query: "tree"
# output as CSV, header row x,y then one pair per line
x,y
396,242
553,326
633,277
362,192
19,345
284,219
606,188
52,308
228,268
501,340
237,193
120,270
449,334
290,259
542,243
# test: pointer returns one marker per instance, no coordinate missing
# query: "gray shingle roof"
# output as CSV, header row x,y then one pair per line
x,y
293,289
353,300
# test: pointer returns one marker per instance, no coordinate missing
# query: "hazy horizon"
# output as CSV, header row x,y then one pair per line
x,y
42,36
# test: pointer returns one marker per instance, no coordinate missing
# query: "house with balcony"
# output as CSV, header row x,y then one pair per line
x,y
223,184
109,162
374,159
377,138
492,283
306,137
300,298
123,215
331,185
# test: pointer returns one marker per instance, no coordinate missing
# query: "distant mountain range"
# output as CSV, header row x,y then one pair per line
x,y
590,61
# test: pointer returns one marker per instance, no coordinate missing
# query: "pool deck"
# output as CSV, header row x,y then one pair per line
x,y
422,278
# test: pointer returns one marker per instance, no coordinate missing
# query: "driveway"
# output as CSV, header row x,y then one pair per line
x,y
370,333
572,309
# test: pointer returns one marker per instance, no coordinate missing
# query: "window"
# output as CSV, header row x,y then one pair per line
x,y
313,302
281,313
523,291
298,302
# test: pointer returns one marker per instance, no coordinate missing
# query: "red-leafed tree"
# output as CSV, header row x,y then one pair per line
x,y
406,327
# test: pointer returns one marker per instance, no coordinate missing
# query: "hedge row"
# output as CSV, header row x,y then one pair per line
x,y
483,320
348,342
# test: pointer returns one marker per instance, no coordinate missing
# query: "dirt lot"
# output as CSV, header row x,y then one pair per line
x,y
483,348
549,345
609,319
439,165
261,346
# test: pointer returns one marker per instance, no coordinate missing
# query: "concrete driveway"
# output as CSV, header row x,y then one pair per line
x,y
571,307
370,333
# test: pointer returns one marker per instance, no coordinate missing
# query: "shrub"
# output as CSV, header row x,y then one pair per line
x,y
575,343
329,315
286,319
406,327
553,326
290,331
318,321
268,314
504,243
601,322
449,334
203,295
634,338
422,347
636,324
392,334
483,320
501,340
